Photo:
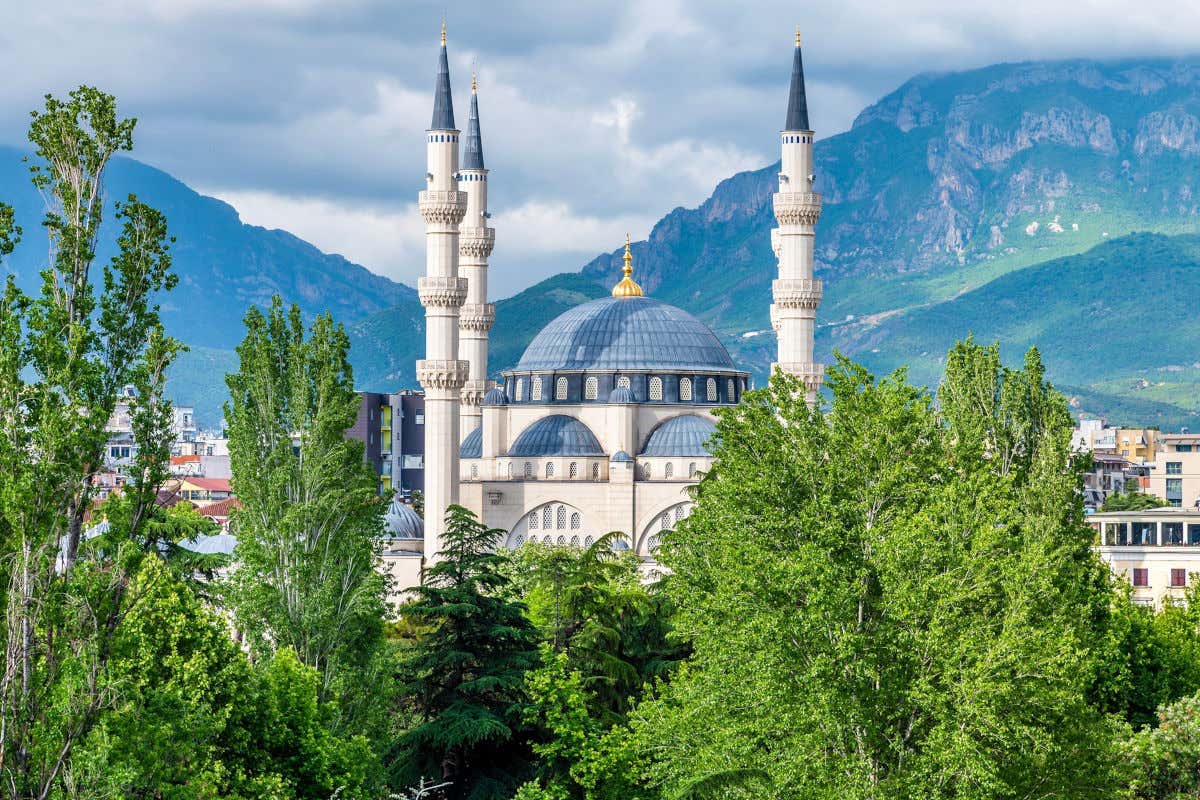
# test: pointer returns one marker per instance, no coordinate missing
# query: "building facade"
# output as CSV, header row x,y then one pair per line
x,y
1175,471
392,430
1157,551
605,422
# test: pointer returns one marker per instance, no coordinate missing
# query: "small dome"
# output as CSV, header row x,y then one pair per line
x,y
401,522
622,457
472,446
218,544
556,435
685,435
495,397
621,395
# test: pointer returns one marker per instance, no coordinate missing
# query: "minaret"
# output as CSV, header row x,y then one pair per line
x,y
442,291
475,244
797,208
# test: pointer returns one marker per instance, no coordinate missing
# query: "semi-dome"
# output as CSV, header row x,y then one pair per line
x,y
626,333
556,435
495,397
685,435
621,457
621,395
401,522
472,446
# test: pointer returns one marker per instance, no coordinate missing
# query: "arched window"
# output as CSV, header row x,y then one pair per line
x,y
535,388
560,389
655,388
533,520
562,541
528,470
652,543
665,521
474,470
712,390
588,541
596,471
510,471
547,518
549,469
518,541
574,541
729,390
573,470
645,472
591,388
685,389
623,382
520,393
562,517
678,513
692,470
669,470
575,522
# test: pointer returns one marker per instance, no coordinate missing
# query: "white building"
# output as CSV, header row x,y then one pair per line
x,y
1157,551
605,422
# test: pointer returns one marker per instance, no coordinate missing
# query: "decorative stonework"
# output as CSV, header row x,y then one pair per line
x,y
776,243
478,317
476,242
442,374
473,392
445,208
774,318
442,292
812,375
797,208
796,293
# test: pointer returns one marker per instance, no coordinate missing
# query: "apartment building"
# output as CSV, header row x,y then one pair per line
x,y
392,428
1157,551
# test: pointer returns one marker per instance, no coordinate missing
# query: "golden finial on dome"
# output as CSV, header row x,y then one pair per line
x,y
443,33
797,36
627,286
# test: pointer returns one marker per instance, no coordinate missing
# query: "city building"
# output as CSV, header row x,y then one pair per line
x,y
392,430
604,423
1109,475
1157,551
1175,471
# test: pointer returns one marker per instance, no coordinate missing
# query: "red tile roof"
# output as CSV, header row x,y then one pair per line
x,y
221,508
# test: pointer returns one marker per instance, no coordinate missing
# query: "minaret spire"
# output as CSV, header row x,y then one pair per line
x,y
797,208
475,244
442,292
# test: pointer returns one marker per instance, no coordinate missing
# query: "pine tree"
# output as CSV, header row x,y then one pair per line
x,y
464,679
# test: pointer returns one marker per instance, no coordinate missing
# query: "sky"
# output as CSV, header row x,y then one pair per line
x,y
598,116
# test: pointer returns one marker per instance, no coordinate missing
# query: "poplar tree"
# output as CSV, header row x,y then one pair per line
x,y
310,518
64,355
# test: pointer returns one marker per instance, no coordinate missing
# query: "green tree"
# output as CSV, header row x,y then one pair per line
x,y
463,680
310,521
1164,761
64,354
886,600
1131,500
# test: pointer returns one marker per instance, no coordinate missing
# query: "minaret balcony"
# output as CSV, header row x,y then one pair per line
x,y
477,317
473,392
796,293
810,374
444,207
442,373
477,242
444,292
797,208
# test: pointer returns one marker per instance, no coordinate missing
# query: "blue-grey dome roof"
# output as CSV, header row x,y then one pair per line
x,y
401,522
626,333
556,435
472,446
685,435
495,397
217,544
622,457
621,395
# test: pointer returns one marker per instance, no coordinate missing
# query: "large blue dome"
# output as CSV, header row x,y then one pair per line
x,y
626,333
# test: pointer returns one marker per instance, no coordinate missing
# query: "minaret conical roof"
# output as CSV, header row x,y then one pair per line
x,y
472,157
443,103
797,111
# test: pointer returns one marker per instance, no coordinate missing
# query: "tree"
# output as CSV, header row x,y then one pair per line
x,y
1164,760
463,680
64,355
310,521
1131,500
887,599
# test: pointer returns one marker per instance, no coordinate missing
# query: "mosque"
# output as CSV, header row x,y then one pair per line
x,y
606,420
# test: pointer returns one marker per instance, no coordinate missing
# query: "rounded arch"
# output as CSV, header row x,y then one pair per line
x,y
664,520
546,522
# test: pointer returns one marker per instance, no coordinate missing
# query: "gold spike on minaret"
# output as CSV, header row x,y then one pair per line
x,y
474,83
797,36
627,286
444,33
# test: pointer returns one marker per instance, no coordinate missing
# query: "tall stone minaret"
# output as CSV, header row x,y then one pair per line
x,y
442,292
475,244
797,208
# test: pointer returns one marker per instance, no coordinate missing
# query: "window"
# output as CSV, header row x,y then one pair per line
x,y
1141,576
419,419
623,382
1174,467
596,471
510,471
560,389
1174,488
1178,577
1143,533
520,393
1183,448
562,541
591,388
574,541
547,518
528,470
561,517
685,389
549,469
645,472
656,389
535,388
1193,534
533,520
669,470
729,391
575,523
1172,533
692,470
712,390
474,470
573,470
588,541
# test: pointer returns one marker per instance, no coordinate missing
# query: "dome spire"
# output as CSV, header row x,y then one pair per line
x,y
627,287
